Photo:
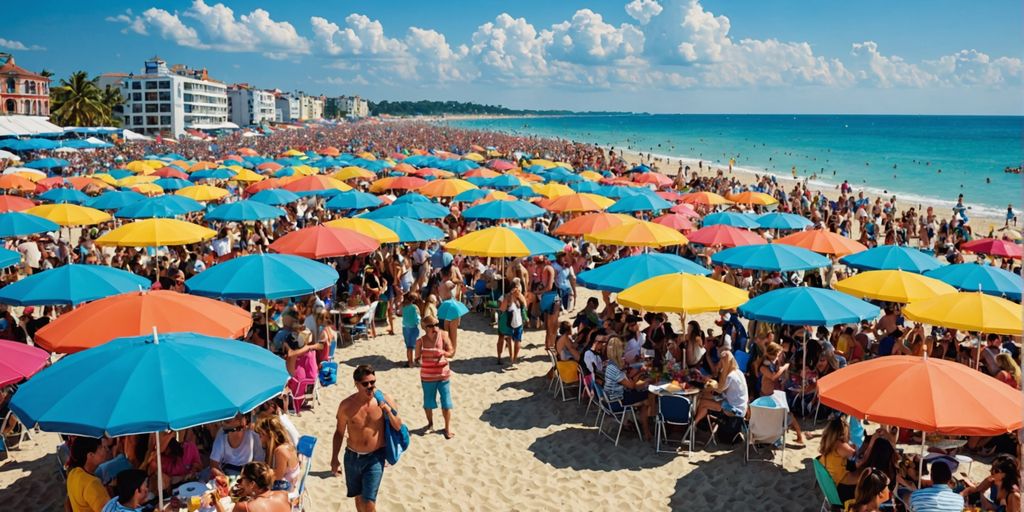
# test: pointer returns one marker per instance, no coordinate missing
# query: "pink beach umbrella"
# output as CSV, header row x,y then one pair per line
x,y
19,361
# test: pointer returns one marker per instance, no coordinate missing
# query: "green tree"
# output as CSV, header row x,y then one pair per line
x,y
78,101
112,99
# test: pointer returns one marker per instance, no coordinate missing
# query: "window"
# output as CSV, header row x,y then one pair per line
x,y
136,86
150,85
165,107
152,119
165,119
137,120
9,106
136,96
151,96
151,108
137,108
165,84
165,95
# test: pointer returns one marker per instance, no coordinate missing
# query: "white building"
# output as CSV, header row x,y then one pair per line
x,y
310,107
168,101
250,107
349,106
288,108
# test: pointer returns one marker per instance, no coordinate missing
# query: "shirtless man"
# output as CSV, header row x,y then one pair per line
x,y
363,417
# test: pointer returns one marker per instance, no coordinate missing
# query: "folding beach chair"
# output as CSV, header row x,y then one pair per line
x,y
618,411
566,376
586,389
361,329
299,497
742,360
18,435
673,410
828,488
767,425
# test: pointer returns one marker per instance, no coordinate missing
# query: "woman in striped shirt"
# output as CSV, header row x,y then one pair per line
x,y
433,349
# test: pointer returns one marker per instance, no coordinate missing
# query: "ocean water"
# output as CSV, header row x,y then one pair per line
x,y
920,159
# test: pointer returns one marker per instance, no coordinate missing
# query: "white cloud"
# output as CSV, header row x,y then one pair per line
x,y
434,58
889,71
11,44
171,28
643,10
276,34
360,36
508,48
132,23
974,68
587,38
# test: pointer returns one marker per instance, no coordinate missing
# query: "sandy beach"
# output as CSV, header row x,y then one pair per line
x,y
516,448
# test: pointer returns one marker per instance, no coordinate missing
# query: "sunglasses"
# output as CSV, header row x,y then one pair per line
x,y
368,383
431,326
232,429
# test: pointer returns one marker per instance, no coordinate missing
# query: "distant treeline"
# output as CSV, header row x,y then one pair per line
x,y
437,108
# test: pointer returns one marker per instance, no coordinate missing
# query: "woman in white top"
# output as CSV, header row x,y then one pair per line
x,y
513,304
728,393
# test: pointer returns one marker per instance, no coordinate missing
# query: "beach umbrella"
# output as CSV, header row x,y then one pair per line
x,y
132,181
370,228
411,230
685,209
69,214
523,193
244,211
770,258
353,173
968,311
705,198
807,306
203,193
471,195
171,172
148,189
446,188
592,223
753,198
553,190
823,242
653,178
504,242
638,234
275,197
409,211
136,313
397,183
263,276
783,221
506,181
19,361
150,384
322,241
451,310
163,207
316,185
47,163
681,293
577,203
155,233
891,257
64,195
71,284
172,184
725,236
14,224
639,203
972,277
15,203
623,273
924,393
114,200
221,173
413,197
675,221
734,219
16,182
893,286
481,172
353,200
993,247
247,176
8,258
499,210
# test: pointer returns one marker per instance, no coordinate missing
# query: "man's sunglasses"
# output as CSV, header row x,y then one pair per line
x,y
368,383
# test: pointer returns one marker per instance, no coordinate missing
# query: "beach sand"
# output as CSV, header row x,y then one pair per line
x,y
516,448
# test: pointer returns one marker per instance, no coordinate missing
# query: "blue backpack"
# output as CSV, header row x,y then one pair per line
x,y
395,441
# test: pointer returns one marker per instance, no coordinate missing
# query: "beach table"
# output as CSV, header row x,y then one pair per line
x,y
345,313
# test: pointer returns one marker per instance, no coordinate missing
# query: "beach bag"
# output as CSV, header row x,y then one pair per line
x,y
504,327
396,442
328,373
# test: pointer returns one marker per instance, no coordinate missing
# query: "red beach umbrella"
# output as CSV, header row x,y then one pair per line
x,y
725,236
322,241
993,247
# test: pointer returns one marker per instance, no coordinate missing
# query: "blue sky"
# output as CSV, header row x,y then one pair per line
x,y
699,56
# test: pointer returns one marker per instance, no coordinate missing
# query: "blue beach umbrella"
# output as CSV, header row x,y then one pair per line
x,y
263,276
784,221
892,257
14,224
505,181
411,198
284,172
639,203
172,184
118,174
450,310
621,274
8,258
71,284
164,207
64,195
523,192
972,277
411,230
770,257
588,187
409,210
498,210
538,243
275,196
807,306
353,200
471,195
47,163
244,210
115,199
736,220
219,173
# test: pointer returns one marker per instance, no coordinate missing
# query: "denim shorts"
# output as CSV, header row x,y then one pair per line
x,y
517,334
410,334
431,390
363,473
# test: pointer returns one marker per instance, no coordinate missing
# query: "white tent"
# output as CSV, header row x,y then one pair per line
x,y
20,126
130,135
7,155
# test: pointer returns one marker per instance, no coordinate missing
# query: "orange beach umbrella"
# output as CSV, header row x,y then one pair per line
x,y
823,242
322,241
592,223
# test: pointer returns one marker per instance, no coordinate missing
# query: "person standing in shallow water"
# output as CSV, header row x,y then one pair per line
x,y
363,417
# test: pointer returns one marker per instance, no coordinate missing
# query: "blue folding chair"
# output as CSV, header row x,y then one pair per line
x,y
673,410
299,497
742,360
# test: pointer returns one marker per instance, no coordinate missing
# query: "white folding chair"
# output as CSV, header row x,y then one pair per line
x,y
361,329
299,496
20,430
618,411
767,425
554,368
673,410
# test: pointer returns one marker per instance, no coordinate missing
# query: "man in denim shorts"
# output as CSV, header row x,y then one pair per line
x,y
363,417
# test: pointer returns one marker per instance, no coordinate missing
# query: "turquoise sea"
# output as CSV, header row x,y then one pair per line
x,y
920,159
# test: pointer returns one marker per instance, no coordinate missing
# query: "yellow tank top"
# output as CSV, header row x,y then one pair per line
x,y
835,464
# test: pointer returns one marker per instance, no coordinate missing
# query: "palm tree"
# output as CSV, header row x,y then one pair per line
x,y
78,101
111,99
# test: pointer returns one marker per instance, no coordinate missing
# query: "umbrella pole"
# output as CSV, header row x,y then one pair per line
x,y
920,467
803,374
266,322
159,474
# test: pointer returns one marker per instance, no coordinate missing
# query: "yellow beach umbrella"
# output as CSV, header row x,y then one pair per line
x,y
577,203
141,167
293,152
305,170
202,166
552,190
547,164
247,176
753,198
105,178
638,234
681,293
149,189
156,232
155,164
708,198
893,286
131,181
353,173
563,164
496,242
476,157
968,311
30,176
67,214
366,227
446,188
202,192
366,155
591,176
